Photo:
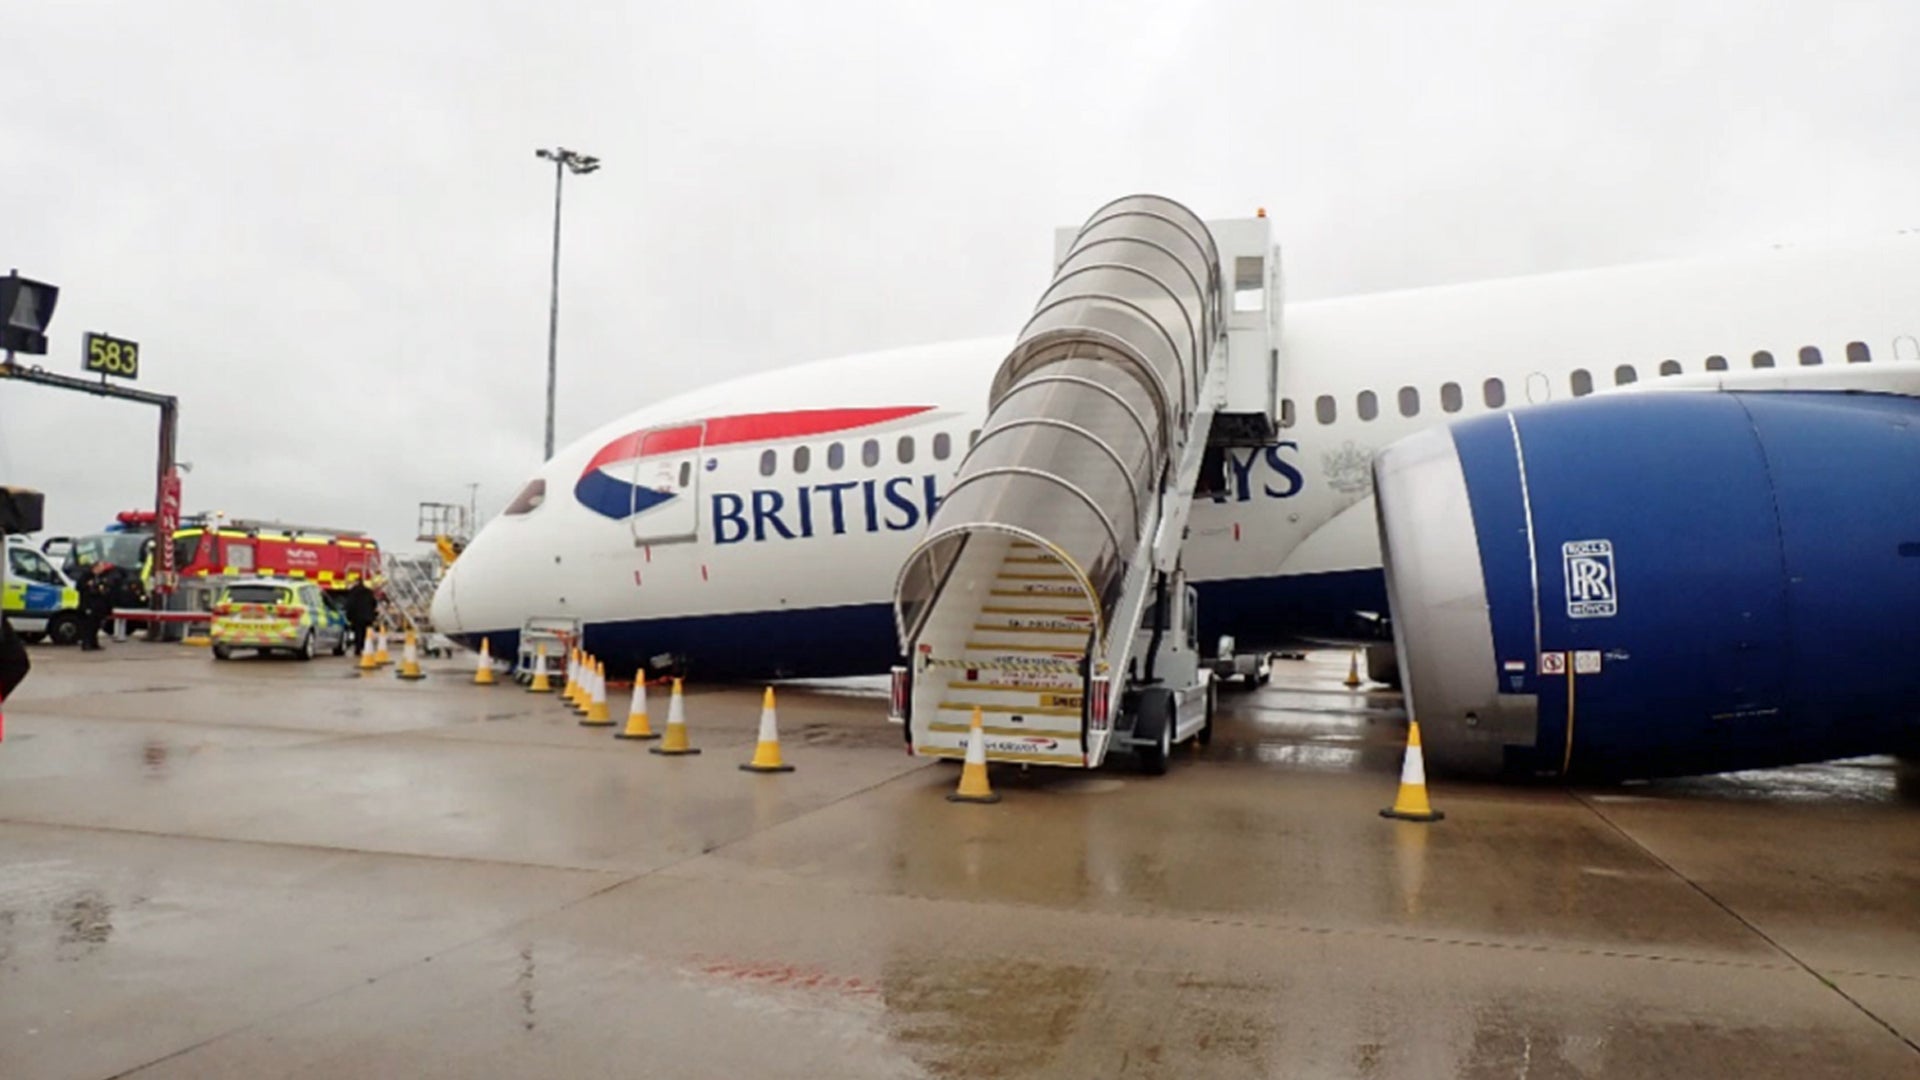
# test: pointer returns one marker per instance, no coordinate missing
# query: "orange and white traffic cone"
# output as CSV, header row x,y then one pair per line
x,y
380,655
1411,803
410,661
542,683
675,743
483,669
1353,672
766,753
973,774
597,715
638,726
368,661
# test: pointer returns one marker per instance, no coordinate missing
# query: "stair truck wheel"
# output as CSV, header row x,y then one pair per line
x,y
1153,720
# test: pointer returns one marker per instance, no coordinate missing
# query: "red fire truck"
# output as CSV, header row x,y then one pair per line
x,y
207,549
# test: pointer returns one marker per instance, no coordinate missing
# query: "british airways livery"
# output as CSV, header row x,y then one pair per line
x,y
1583,576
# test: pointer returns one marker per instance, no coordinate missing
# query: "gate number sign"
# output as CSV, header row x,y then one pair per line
x,y
111,356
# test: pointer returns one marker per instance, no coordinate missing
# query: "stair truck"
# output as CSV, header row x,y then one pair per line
x,y
1048,591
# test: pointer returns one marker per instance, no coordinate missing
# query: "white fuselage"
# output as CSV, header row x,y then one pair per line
x,y
828,529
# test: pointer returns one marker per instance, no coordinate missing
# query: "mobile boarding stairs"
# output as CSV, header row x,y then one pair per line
x,y
1048,591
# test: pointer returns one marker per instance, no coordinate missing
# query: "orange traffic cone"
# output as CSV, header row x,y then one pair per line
x,y
380,656
541,683
597,715
638,726
766,755
1353,672
368,661
675,744
483,669
410,661
1411,804
973,774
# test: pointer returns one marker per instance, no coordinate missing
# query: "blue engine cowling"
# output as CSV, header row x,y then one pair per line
x,y
1659,583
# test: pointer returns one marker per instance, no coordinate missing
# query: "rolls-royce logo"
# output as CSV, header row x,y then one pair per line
x,y
1592,591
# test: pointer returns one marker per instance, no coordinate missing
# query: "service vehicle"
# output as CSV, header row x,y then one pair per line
x,y
1252,669
40,601
276,615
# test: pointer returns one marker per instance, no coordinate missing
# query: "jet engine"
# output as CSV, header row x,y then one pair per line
x,y
1660,583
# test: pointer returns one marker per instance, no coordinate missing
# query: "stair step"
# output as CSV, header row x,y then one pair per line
x,y
1010,708
1018,647
1031,590
1009,687
1023,575
1002,628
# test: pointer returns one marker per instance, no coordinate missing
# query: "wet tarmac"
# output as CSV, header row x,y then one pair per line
x,y
279,869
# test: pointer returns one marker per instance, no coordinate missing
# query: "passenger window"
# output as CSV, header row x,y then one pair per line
x,y
1450,398
528,500
942,446
1669,367
1857,352
686,474
1323,409
768,462
1495,393
1625,374
1409,401
836,457
1582,381
904,450
1762,359
802,458
1809,356
870,453
1368,405
1716,363
1286,412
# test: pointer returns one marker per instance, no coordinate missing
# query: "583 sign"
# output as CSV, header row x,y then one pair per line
x,y
111,356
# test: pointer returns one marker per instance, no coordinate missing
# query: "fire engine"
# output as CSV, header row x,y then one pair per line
x,y
207,549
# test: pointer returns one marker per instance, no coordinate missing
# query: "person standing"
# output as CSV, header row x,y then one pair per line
x,y
362,610
96,604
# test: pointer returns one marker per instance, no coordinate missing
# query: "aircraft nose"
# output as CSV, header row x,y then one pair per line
x,y
444,611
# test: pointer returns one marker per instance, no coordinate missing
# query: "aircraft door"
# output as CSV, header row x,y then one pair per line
x,y
666,484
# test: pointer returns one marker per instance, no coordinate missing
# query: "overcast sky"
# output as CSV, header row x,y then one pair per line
x,y
326,226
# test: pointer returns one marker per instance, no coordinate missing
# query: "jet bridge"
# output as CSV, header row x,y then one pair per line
x,y
1048,591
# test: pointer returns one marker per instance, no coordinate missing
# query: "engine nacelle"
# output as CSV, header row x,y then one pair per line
x,y
1659,583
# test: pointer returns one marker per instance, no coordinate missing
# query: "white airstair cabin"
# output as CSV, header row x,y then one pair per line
x,y
1048,591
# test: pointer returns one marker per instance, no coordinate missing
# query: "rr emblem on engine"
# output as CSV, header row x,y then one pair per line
x,y
1592,592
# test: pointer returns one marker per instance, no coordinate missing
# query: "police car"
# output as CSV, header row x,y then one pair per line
x,y
276,615
40,601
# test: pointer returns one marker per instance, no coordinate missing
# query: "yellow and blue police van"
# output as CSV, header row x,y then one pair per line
x,y
39,601
276,615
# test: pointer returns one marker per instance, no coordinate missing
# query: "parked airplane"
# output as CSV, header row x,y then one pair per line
x,y
1757,548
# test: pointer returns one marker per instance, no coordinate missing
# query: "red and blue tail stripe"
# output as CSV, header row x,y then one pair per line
x,y
607,494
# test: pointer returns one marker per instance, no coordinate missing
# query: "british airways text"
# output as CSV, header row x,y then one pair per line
x,y
901,503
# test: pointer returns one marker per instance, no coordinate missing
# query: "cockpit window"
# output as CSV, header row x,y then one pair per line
x,y
529,499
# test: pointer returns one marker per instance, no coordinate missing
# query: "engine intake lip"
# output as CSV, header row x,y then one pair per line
x,y
1437,593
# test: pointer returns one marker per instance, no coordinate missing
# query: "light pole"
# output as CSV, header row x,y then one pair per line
x,y
564,161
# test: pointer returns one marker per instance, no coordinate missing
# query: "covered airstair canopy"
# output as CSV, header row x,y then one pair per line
x,y
1084,410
